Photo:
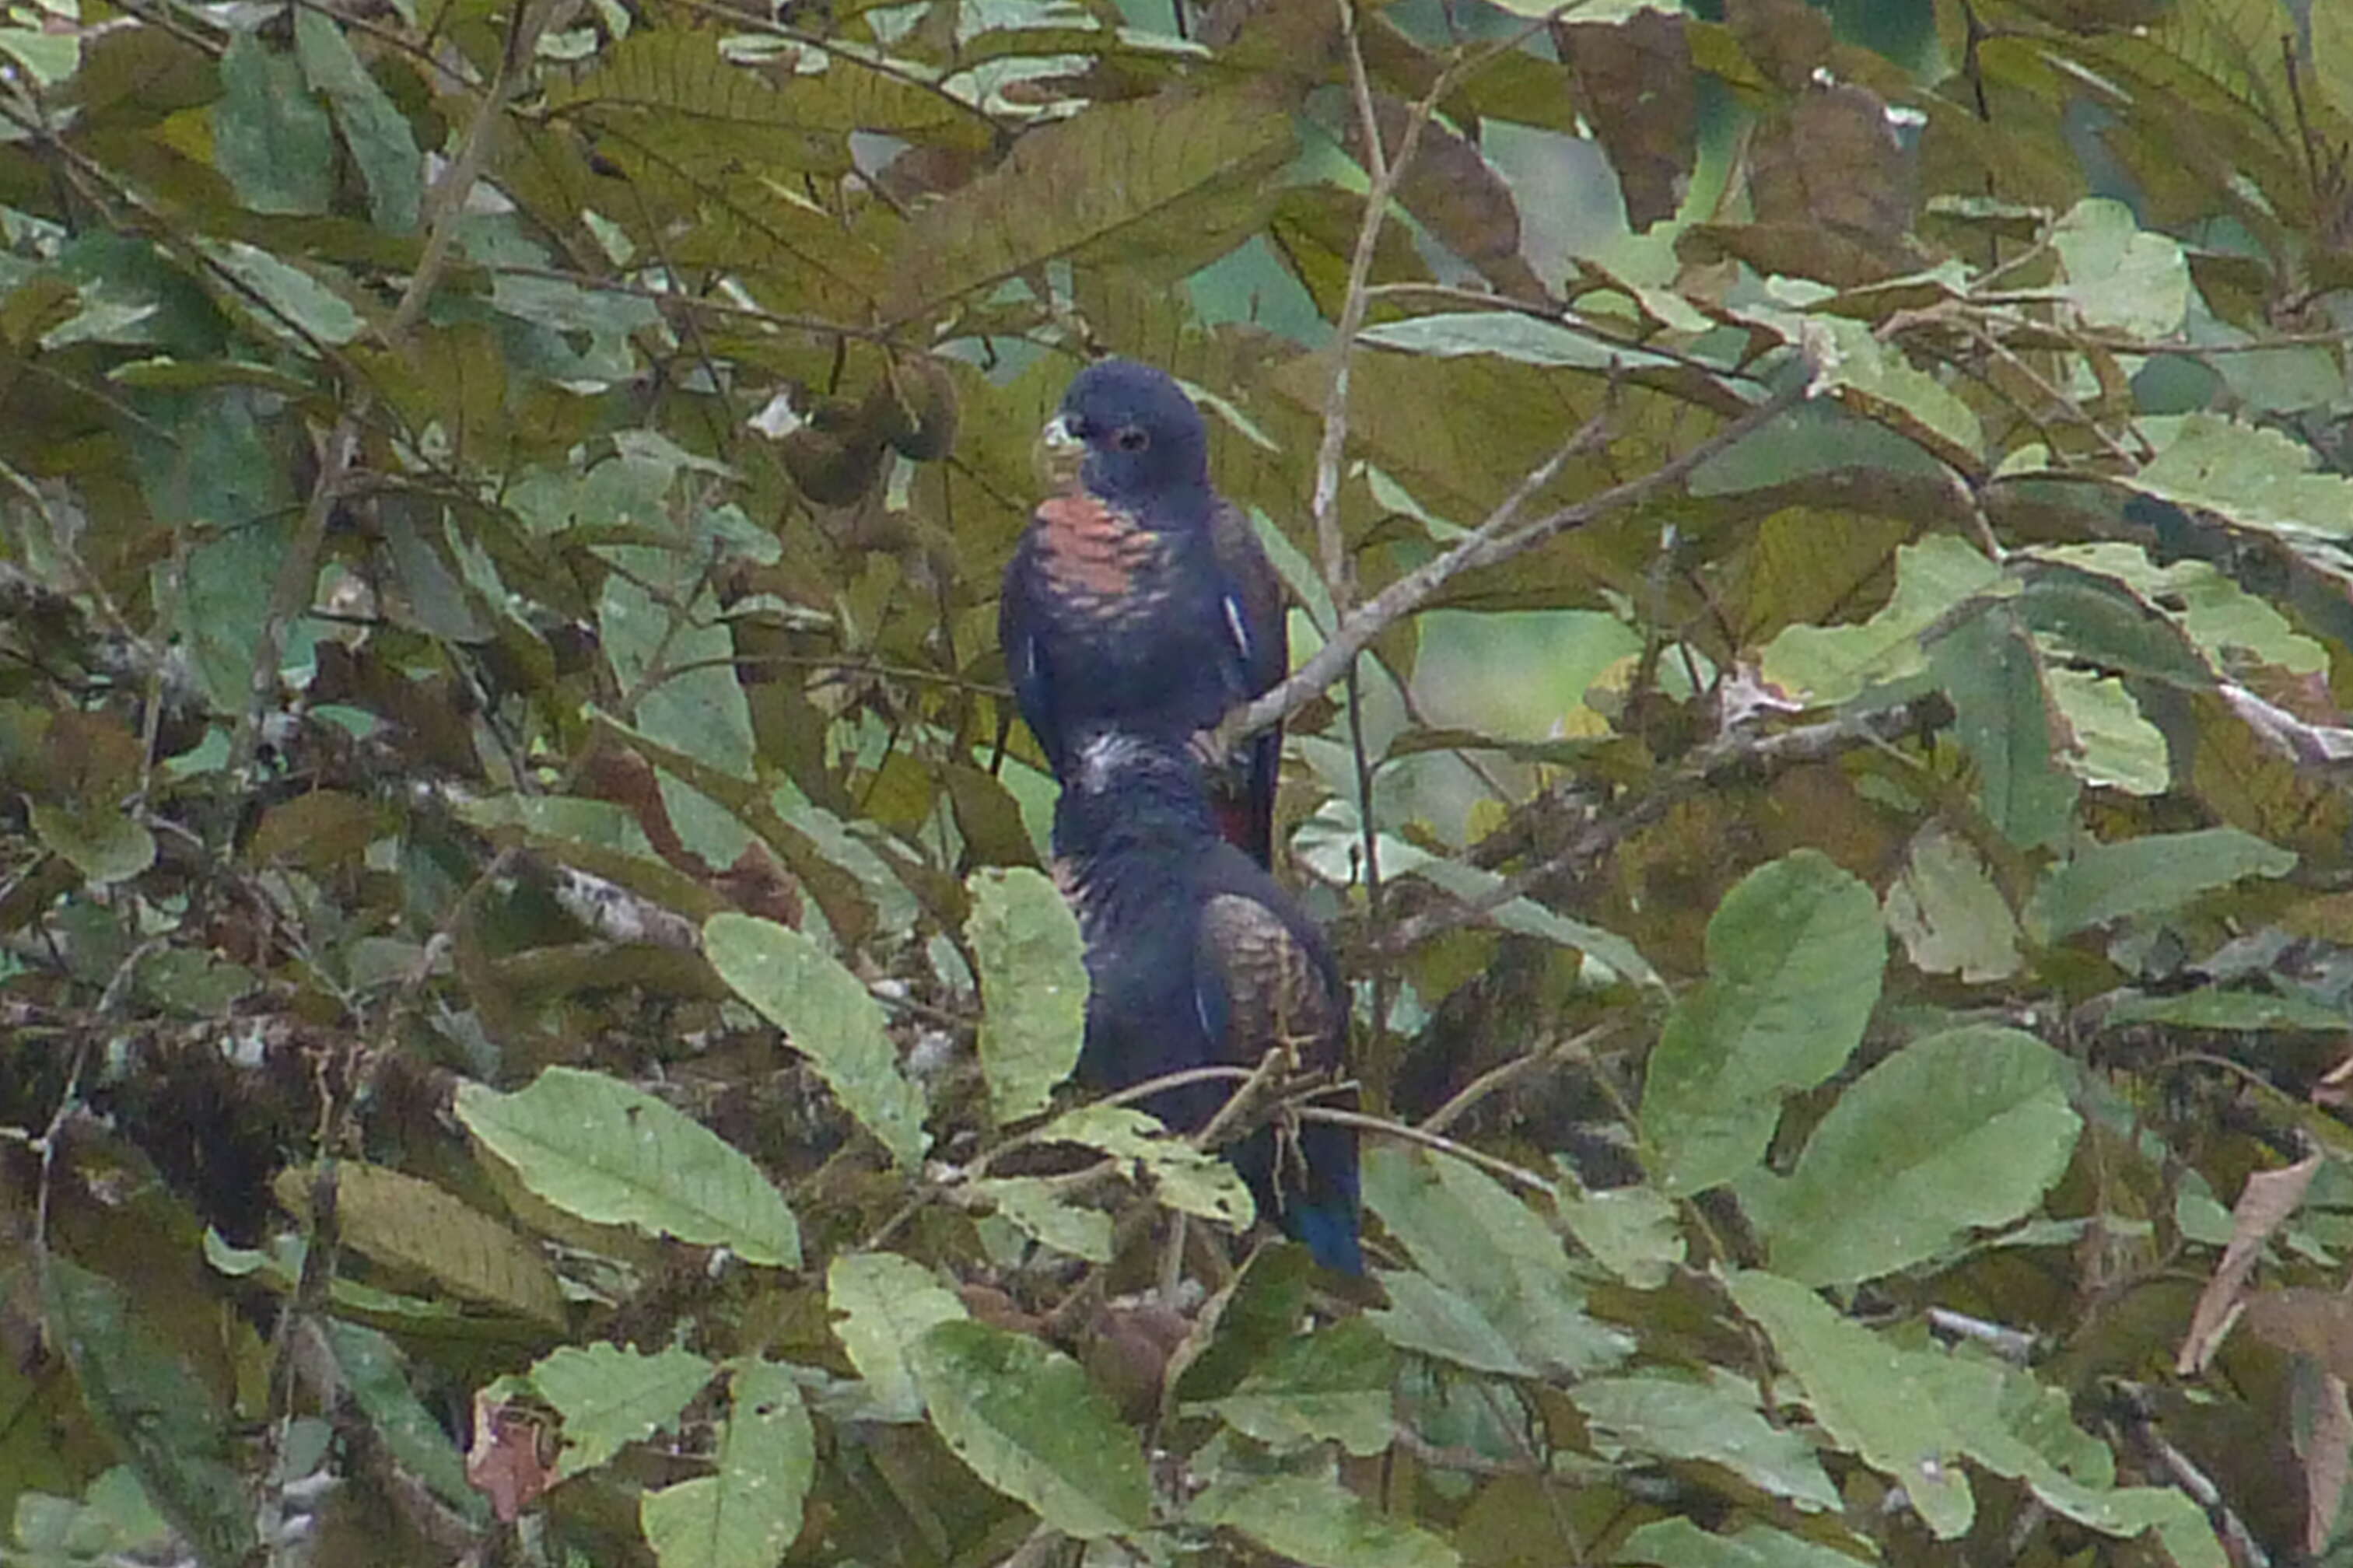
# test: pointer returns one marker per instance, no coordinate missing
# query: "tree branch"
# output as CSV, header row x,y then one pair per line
x,y
1490,545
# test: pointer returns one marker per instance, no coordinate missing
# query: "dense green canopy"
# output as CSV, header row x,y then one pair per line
x,y
1823,579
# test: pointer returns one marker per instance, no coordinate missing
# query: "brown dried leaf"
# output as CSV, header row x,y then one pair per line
x,y
1458,197
506,1462
2315,1323
2327,1449
1833,160
1785,39
1637,89
2264,1203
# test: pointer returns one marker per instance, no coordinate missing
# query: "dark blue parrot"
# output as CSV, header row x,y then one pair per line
x,y
1196,958
1139,598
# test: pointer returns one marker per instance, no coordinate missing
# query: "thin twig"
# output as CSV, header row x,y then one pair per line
x,y
1489,545
1527,1181
1511,1072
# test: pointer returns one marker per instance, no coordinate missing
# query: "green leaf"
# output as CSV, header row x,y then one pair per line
x,y
1184,1177
1162,184
374,128
1332,839
883,1303
114,1522
2213,611
2115,745
414,1224
1717,1422
1475,884
51,57
2253,476
271,137
1948,913
105,845
675,669
1680,1543
2014,1426
747,1514
1914,1415
2104,622
1964,1130
216,468
1425,1317
1028,1422
1992,672
298,299
152,1409
2332,55
829,1019
378,1375
1496,1256
1827,665
610,1396
1631,1231
2243,1011
1313,1519
1867,1395
1874,377
2156,874
1036,1205
1795,957
2120,276
1248,1321
1509,334
1331,1385
596,1147
1033,988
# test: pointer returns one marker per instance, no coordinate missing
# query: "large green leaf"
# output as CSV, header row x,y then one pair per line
x,y
1682,1543
374,128
1795,956
270,135
2256,478
1964,1130
1991,672
1914,1415
1503,1274
169,1427
1160,184
883,1303
1331,1384
1717,1422
1185,1178
1033,986
378,1376
1831,664
596,1147
2120,276
747,1514
829,1019
410,1223
610,1395
1313,1519
2150,875
1030,1424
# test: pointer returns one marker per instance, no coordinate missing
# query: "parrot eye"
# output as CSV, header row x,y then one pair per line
x,y
1131,438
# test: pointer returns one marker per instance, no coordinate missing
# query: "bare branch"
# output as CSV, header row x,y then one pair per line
x,y
1489,545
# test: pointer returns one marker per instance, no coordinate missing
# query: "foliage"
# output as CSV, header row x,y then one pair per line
x,y
529,1025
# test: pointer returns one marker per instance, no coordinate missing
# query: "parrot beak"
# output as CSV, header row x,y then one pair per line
x,y
1057,454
